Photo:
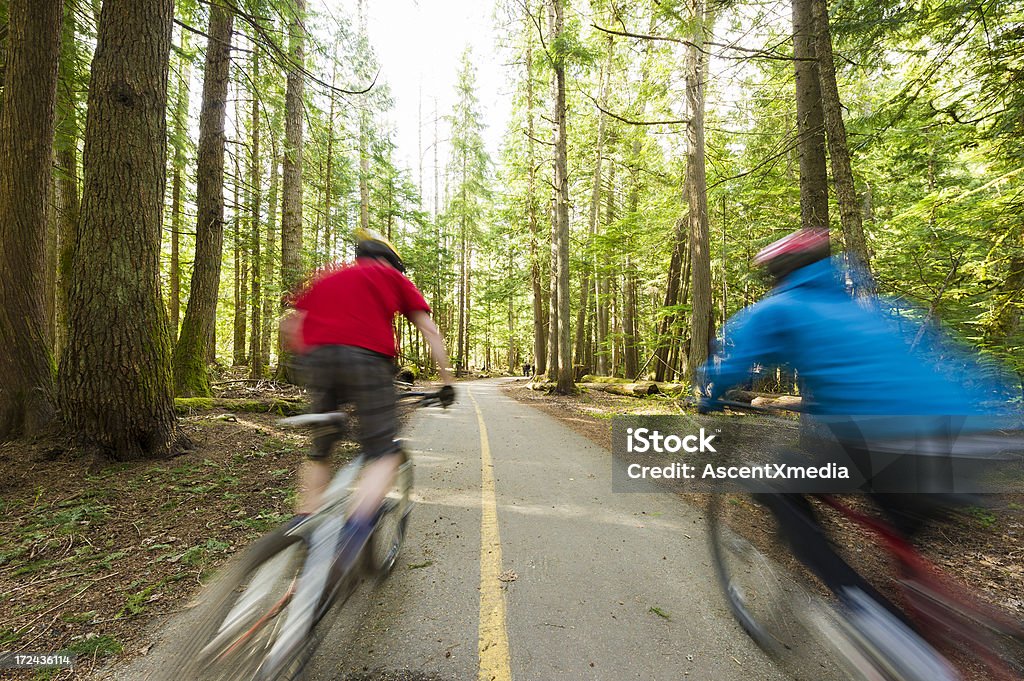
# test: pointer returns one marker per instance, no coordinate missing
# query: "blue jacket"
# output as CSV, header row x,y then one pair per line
x,y
850,356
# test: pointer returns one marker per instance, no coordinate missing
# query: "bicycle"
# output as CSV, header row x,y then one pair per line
x,y
792,617
263,619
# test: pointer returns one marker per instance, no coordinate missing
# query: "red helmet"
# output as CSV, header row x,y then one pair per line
x,y
799,249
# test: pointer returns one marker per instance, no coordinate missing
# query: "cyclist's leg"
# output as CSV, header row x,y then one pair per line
x,y
369,386
799,527
323,373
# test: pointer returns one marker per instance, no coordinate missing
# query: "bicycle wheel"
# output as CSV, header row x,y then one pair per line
x,y
241,616
772,596
389,533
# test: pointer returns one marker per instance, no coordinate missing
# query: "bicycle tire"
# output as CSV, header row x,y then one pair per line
x,y
239,615
389,533
776,605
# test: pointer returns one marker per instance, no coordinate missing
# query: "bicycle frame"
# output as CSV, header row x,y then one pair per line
x,y
321,532
946,615
311,596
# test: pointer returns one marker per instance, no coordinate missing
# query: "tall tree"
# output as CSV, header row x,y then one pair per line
x,y
291,190
565,378
65,182
178,140
115,379
192,352
842,173
241,258
702,319
540,303
469,168
810,121
26,158
256,359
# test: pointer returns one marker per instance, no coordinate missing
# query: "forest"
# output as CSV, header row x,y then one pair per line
x,y
173,171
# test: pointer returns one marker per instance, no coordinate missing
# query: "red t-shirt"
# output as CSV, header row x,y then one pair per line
x,y
355,305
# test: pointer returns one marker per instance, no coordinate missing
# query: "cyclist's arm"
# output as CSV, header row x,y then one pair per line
x,y
291,330
421,319
755,336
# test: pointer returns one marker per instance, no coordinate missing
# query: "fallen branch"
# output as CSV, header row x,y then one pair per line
x,y
189,405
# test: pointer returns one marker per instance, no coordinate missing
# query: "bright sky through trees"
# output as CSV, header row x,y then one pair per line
x,y
419,44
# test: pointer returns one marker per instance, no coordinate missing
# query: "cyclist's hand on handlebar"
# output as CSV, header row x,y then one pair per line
x,y
446,395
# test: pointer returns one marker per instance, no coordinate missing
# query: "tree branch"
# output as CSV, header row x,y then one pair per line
x,y
626,120
689,43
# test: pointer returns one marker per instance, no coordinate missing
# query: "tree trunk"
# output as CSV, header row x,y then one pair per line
x,y
553,357
178,169
269,290
665,326
810,122
842,172
565,369
115,378
241,269
291,220
328,183
602,292
580,365
630,356
256,359
540,303
66,181
193,353
27,118
460,361
702,320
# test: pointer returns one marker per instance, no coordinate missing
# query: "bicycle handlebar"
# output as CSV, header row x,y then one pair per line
x,y
334,418
426,399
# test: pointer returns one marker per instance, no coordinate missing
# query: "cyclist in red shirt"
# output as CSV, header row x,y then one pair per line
x,y
343,327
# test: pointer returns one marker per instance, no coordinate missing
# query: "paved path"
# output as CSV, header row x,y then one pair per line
x,y
608,587
594,568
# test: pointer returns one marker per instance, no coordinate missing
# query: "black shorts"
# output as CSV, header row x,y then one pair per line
x,y
342,374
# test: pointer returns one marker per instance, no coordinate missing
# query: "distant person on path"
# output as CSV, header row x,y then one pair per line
x,y
343,328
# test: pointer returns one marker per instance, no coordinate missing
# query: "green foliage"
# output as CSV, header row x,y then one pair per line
x,y
103,645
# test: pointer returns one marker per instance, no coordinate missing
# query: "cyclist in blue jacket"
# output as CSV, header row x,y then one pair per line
x,y
855,368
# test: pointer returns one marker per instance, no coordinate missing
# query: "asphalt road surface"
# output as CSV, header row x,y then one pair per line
x,y
520,563
599,585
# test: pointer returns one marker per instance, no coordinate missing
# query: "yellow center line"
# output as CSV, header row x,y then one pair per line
x,y
493,643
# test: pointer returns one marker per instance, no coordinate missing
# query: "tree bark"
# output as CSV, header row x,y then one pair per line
x,y
115,378
27,118
602,292
192,353
178,169
291,220
582,336
565,370
269,288
540,303
553,280
66,198
241,263
667,323
702,321
810,121
256,359
842,173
